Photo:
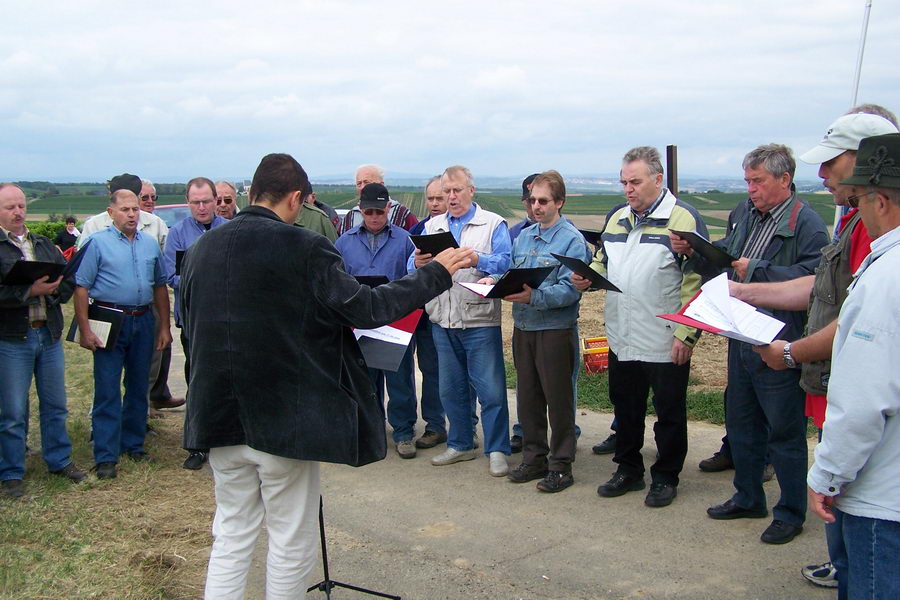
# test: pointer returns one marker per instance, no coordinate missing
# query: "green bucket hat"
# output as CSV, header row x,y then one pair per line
x,y
877,162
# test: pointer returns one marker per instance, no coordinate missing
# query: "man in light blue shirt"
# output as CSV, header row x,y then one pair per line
x,y
122,269
202,198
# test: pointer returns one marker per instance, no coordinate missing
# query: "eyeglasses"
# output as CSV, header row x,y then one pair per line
x,y
146,197
373,211
541,201
853,200
200,202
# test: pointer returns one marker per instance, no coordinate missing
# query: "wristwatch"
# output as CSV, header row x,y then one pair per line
x,y
788,359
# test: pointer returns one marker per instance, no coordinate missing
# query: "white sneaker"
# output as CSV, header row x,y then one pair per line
x,y
821,575
499,466
451,455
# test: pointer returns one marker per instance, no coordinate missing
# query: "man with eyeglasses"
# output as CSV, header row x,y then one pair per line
x,y
398,214
646,353
466,327
377,248
823,293
203,203
854,484
226,200
160,395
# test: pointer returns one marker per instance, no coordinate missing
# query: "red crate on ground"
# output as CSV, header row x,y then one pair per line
x,y
596,354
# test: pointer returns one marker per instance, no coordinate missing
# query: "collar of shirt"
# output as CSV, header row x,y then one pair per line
x,y
547,234
15,239
776,213
640,217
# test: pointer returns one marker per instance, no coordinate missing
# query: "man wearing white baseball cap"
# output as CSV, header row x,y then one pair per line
x,y
812,353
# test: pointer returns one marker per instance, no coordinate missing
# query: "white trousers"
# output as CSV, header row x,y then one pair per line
x,y
252,486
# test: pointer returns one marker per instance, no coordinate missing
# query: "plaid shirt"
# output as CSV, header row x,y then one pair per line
x,y
37,311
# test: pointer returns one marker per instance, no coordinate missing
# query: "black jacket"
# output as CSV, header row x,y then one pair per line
x,y
274,365
14,299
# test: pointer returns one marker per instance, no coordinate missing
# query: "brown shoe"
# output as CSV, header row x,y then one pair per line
x,y
170,403
70,472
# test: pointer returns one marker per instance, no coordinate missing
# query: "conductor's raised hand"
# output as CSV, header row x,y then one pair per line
x,y
454,259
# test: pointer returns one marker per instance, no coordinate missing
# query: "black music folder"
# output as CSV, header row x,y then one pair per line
x,y
434,243
704,248
582,268
106,323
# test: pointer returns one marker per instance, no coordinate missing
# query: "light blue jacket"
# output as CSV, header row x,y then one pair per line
x,y
554,305
859,457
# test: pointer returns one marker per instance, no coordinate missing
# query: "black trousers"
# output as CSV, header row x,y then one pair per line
x,y
544,364
629,384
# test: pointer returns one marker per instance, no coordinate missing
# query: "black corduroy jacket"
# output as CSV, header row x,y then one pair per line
x,y
268,311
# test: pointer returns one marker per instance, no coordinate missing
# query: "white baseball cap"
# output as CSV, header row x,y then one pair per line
x,y
845,134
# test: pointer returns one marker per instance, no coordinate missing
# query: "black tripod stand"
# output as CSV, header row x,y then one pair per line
x,y
327,584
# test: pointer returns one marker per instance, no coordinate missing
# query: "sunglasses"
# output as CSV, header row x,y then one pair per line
x,y
373,211
541,201
853,200
146,197
226,200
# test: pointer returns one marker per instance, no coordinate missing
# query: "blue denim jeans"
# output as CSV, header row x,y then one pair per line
x,y
765,410
426,355
401,389
120,426
39,356
517,427
872,547
837,552
475,356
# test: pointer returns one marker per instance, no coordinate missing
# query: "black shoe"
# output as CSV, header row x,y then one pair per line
x,y
607,446
780,532
194,461
621,484
515,444
522,473
70,472
430,439
106,470
140,456
169,403
12,488
555,481
715,463
660,494
729,510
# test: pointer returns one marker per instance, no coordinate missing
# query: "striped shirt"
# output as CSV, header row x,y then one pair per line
x,y
762,229
37,311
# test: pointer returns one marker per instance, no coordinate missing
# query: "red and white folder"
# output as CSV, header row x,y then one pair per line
x,y
384,347
712,309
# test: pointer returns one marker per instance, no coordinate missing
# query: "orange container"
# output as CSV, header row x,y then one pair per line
x,y
596,354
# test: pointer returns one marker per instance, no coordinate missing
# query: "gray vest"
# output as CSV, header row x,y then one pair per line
x,y
833,277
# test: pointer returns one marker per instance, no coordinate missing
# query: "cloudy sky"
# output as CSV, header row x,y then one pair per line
x,y
172,90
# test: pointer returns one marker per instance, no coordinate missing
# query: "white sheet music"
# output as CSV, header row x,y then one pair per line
x,y
737,319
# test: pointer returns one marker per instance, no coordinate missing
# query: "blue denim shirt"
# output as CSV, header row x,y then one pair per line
x,y
554,305
181,236
388,260
120,271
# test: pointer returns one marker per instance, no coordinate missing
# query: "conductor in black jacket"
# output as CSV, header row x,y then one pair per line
x,y
278,382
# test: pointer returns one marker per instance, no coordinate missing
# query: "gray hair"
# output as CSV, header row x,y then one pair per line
x,y
376,168
229,184
430,181
647,154
777,159
148,182
874,109
456,170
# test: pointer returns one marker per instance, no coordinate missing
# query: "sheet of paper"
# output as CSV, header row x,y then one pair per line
x,y
100,329
386,333
482,289
736,319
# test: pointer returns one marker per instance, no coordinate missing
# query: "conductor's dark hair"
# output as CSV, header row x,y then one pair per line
x,y
277,176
